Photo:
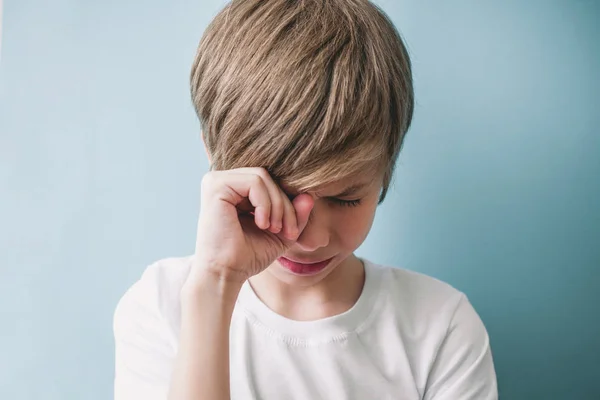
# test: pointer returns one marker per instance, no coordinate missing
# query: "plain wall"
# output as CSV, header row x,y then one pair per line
x,y
497,189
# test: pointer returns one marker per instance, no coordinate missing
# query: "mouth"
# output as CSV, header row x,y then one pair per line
x,y
303,268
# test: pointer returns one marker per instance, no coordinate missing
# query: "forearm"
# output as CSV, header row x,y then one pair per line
x,y
201,369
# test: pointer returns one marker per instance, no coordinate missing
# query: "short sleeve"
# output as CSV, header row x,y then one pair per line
x,y
463,368
144,350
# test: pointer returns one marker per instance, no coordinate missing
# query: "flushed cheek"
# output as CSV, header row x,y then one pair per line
x,y
352,227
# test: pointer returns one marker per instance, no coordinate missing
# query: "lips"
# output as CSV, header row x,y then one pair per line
x,y
305,262
303,268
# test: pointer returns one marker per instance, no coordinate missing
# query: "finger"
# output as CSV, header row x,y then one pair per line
x,y
276,196
258,194
303,204
245,207
290,222
238,186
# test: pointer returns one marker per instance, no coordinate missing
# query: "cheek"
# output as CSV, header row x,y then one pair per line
x,y
353,225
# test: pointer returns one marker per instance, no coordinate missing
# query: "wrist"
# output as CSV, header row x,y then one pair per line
x,y
204,282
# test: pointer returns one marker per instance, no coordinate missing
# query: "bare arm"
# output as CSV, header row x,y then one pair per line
x,y
201,369
246,222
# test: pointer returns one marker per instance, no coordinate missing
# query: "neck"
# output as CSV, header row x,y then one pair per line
x,y
333,295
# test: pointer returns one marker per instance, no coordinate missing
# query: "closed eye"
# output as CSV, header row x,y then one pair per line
x,y
345,203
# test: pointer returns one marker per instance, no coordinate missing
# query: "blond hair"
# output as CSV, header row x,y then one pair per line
x,y
312,90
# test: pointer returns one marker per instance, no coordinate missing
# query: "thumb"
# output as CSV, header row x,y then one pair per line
x,y
303,204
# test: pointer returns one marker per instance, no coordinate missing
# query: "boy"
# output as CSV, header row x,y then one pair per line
x,y
304,106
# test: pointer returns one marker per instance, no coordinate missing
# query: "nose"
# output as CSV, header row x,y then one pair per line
x,y
316,233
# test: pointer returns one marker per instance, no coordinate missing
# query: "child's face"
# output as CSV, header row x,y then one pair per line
x,y
338,225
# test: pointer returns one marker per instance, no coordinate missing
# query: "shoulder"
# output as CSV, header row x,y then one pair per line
x,y
418,294
439,320
146,329
428,310
154,299
422,300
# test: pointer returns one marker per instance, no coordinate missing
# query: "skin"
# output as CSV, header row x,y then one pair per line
x,y
335,231
246,222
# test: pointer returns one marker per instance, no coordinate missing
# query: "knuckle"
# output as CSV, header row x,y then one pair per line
x,y
256,180
208,180
262,172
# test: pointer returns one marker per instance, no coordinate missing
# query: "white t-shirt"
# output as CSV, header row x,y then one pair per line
x,y
409,336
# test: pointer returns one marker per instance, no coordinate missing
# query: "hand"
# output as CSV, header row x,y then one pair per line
x,y
246,222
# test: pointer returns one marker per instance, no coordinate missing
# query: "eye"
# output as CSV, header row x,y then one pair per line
x,y
346,203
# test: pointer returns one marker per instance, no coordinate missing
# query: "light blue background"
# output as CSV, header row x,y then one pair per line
x,y
497,192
